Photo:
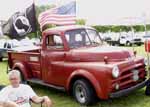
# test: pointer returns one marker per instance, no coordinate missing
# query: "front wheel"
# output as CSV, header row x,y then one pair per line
x,y
83,92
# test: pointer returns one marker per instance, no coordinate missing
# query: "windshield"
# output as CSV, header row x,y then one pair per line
x,y
82,37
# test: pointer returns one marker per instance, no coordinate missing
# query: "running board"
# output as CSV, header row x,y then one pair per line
x,y
40,82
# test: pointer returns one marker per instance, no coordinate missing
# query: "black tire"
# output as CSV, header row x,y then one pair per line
x,y
121,44
83,92
1,59
113,44
139,44
128,43
147,91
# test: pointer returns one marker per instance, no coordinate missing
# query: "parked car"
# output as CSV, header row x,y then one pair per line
x,y
111,38
105,36
8,45
2,41
130,40
2,54
5,46
73,59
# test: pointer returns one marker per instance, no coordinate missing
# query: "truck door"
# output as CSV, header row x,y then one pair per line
x,y
53,60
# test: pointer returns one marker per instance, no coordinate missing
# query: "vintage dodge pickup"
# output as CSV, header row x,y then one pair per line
x,y
74,59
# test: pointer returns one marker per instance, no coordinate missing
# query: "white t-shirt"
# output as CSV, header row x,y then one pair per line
x,y
20,95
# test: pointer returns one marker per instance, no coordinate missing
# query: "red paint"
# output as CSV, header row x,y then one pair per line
x,y
147,45
59,67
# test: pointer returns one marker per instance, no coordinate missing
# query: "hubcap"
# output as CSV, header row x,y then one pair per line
x,y
128,43
80,94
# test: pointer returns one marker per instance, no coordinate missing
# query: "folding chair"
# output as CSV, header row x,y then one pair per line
x,y
31,101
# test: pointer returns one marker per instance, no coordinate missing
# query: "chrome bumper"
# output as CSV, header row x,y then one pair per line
x,y
128,90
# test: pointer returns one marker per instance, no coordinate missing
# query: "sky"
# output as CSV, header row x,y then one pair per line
x,y
95,12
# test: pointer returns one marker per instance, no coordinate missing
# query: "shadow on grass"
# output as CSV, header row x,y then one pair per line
x,y
135,99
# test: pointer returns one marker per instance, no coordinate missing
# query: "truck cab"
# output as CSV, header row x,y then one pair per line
x,y
75,59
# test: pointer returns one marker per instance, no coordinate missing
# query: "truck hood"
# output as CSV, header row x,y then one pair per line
x,y
98,54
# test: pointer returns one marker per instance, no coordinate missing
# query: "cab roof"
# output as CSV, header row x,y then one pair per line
x,y
66,28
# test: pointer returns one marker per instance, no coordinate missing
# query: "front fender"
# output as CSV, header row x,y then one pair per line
x,y
88,76
22,69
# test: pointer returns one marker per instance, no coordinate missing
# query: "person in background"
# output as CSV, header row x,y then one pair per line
x,y
20,95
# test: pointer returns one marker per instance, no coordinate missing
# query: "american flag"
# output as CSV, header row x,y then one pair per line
x,y
63,15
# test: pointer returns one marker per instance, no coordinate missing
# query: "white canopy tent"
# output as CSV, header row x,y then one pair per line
x,y
95,12
114,12
129,21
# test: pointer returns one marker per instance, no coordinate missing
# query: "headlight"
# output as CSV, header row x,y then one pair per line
x,y
115,72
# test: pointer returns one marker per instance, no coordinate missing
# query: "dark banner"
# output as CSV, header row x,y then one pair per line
x,y
20,24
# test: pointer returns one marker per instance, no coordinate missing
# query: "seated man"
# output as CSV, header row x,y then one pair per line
x,y
19,95
8,104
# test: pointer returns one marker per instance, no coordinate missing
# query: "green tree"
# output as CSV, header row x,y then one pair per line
x,y
138,28
40,9
102,28
80,22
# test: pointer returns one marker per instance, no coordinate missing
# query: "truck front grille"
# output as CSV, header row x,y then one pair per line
x,y
126,80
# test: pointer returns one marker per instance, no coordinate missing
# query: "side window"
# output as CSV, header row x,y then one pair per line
x,y
54,42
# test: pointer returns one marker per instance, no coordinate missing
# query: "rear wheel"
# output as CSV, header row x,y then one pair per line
x,y
147,91
128,43
83,92
139,44
1,59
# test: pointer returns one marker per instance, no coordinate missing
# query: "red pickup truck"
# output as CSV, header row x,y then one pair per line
x,y
74,59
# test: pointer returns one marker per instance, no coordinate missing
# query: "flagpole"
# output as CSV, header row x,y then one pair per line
x,y
36,19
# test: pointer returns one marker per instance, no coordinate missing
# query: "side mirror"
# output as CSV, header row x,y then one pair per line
x,y
147,45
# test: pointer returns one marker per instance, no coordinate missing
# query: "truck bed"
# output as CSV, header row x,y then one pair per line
x,y
30,58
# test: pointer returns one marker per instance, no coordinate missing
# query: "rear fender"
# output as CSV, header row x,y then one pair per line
x,y
22,69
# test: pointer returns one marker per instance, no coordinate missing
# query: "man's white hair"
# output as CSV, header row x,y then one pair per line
x,y
14,73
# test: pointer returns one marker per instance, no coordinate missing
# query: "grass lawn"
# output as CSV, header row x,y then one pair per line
x,y
61,99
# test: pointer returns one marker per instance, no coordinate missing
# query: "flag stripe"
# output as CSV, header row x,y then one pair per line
x,y
56,22
47,13
59,21
57,16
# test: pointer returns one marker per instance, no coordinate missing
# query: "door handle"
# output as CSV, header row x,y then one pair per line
x,y
65,54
